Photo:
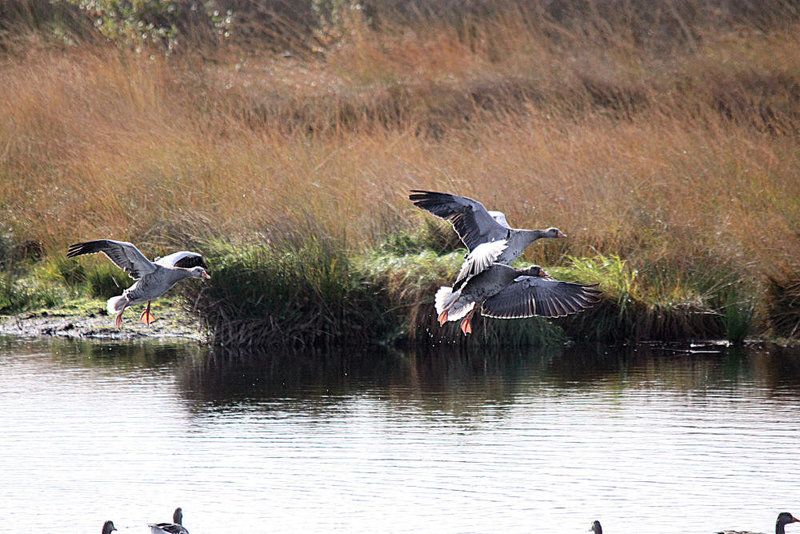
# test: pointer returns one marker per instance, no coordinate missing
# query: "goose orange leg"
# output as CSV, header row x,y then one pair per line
x,y
119,316
442,317
466,324
146,316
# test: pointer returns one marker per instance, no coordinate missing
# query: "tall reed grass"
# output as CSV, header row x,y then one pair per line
x,y
667,137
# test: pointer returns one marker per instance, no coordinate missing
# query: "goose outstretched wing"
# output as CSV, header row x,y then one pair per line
x,y
473,224
527,296
124,255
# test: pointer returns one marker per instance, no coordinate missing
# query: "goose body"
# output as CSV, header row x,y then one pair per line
x,y
153,279
475,225
784,518
505,292
176,527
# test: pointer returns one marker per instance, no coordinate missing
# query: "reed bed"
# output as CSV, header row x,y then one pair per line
x,y
668,141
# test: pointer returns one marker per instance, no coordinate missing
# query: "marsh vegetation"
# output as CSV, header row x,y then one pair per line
x,y
282,140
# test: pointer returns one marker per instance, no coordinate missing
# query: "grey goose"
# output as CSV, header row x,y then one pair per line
x,y
504,292
476,225
153,278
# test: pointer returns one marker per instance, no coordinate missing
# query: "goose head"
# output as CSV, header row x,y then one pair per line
x,y
596,528
534,270
108,527
177,517
553,232
784,518
198,272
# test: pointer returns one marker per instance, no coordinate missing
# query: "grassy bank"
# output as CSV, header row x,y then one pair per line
x,y
664,137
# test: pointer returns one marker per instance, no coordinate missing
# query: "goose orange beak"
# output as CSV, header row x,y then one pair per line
x,y
206,275
561,234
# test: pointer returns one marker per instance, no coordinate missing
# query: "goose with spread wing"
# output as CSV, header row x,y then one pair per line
x,y
475,225
153,278
784,518
504,292
176,527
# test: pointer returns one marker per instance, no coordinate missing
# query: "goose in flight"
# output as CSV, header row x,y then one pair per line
x,y
176,527
475,225
153,278
505,292
784,518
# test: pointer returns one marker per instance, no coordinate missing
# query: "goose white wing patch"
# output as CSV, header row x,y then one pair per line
x,y
183,258
480,259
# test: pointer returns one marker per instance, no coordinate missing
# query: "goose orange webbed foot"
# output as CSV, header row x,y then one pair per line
x,y
146,316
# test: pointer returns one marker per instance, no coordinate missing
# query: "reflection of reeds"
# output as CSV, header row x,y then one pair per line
x,y
667,137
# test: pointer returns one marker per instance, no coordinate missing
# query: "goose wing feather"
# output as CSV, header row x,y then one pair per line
x,y
124,255
183,258
473,224
480,259
528,296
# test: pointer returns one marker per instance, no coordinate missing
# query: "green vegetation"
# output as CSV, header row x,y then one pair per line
x,y
662,141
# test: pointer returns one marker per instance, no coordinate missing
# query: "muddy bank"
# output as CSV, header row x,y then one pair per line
x,y
169,324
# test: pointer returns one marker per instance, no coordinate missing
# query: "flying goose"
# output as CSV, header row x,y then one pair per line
x,y
475,225
505,292
784,518
108,527
153,279
170,528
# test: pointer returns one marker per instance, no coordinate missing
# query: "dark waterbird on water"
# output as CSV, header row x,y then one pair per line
x,y
505,292
475,225
784,518
108,527
176,527
153,278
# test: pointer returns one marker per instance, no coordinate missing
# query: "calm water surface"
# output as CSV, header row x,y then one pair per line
x,y
648,440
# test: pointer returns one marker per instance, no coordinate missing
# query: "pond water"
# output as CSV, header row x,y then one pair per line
x,y
653,439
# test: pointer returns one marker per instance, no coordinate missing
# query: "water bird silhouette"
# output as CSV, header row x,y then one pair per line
x,y
176,527
784,518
